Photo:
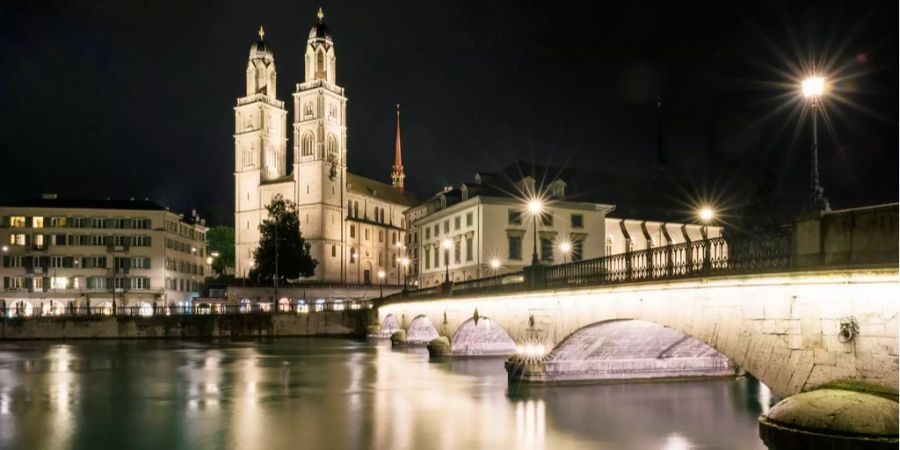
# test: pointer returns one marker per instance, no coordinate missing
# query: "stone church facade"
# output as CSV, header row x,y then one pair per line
x,y
354,225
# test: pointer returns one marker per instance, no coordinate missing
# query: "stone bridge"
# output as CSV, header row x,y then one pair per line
x,y
785,329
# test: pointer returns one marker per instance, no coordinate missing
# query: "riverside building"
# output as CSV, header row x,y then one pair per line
x,y
60,253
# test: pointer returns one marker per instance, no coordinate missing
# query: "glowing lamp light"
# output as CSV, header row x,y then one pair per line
x,y
209,259
495,263
706,214
447,243
404,261
565,247
813,86
535,206
380,274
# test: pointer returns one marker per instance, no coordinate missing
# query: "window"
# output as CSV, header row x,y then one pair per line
x,y
38,240
333,251
546,250
140,262
469,219
547,219
367,233
17,239
457,254
17,222
380,235
97,222
58,222
427,258
12,261
332,148
356,209
446,226
577,250
456,222
515,247
437,230
428,233
577,221
37,222
59,283
515,217
469,249
140,283
96,283
437,258
353,231
56,261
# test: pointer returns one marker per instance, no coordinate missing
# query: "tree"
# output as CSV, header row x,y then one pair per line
x,y
221,241
293,253
761,211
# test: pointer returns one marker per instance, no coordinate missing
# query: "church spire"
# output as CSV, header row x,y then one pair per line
x,y
397,174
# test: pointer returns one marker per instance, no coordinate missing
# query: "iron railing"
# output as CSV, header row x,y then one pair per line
x,y
731,254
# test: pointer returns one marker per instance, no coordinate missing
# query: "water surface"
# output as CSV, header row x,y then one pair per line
x,y
334,393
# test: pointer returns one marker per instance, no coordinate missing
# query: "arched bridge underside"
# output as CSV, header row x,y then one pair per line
x,y
783,329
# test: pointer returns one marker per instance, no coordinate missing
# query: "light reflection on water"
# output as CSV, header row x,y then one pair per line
x,y
329,393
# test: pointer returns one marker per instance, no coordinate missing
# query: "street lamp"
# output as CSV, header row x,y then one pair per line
x,y
535,207
404,262
706,215
381,282
813,88
565,247
446,243
495,264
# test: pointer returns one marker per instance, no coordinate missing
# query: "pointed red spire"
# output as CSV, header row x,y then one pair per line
x,y
397,174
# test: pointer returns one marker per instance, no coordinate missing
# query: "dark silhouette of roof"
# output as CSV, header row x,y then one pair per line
x,y
56,202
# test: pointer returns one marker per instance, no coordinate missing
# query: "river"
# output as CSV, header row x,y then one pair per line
x,y
319,393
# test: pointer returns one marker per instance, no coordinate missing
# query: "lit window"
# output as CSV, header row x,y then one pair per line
x,y
37,222
17,222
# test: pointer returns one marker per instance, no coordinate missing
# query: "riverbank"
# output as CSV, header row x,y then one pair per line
x,y
322,323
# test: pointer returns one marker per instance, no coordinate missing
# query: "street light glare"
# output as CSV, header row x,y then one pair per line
x,y
447,243
380,274
706,214
535,206
495,263
813,86
565,247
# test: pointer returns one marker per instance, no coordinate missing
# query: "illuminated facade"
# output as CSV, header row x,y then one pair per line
x,y
483,228
354,225
59,253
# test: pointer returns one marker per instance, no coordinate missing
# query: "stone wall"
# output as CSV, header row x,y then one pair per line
x,y
324,323
851,236
781,328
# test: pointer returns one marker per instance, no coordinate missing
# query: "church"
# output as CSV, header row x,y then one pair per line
x,y
354,225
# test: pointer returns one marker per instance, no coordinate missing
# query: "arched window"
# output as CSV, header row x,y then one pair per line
x,y
609,246
320,64
307,145
332,148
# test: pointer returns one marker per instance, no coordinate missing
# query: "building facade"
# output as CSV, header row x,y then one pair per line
x,y
64,253
485,228
353,224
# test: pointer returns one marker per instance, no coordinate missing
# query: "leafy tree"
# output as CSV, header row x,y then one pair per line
x,y
293,253
221,240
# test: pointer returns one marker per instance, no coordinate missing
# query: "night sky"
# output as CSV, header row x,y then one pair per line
x,y
134,99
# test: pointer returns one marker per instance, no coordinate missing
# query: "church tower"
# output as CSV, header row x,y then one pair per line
x,y
397,175
320,154
260,124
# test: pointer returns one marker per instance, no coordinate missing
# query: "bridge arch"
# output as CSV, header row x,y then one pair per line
x,y
389,325
421,330
485,337
632,349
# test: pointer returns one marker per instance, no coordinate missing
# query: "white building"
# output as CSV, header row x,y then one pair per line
x,y
353,224
489,230
61,252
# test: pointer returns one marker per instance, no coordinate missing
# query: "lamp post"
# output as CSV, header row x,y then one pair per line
x,y
565,248
706,215
381,283
446,243
535,207
813,88
404,262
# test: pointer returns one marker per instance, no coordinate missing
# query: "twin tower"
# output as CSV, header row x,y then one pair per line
x,y
318,181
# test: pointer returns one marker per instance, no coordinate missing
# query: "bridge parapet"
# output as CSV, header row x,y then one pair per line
x,y
855,238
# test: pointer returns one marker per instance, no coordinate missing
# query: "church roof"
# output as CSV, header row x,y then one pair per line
x,y
320,30
383,191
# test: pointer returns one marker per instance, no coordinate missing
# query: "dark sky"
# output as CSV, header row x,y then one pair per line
x,y
127,98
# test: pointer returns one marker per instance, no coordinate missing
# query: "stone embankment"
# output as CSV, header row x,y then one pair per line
x,y
323,323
